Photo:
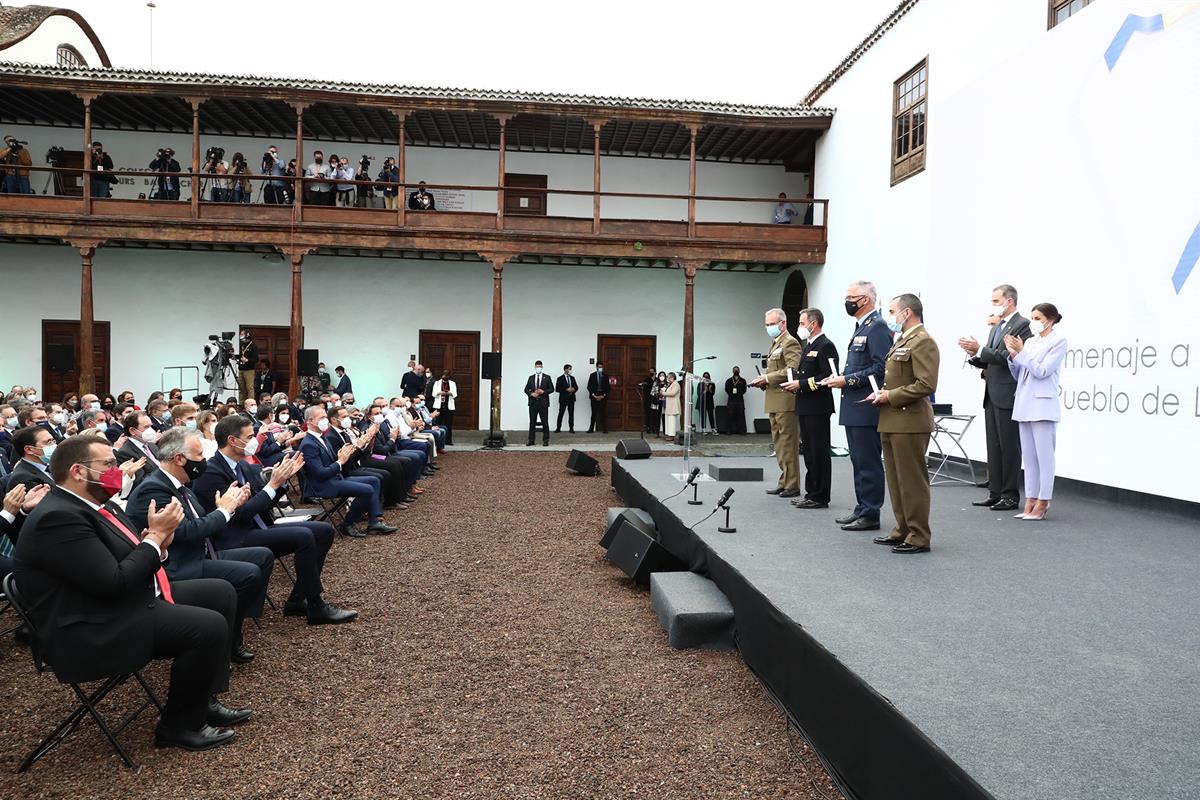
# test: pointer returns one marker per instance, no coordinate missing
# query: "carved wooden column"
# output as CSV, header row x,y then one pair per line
x,y
503,120
401,195
597,124
689,311
497,260
298,186
692,182
86,362
197,184
296,333
87,151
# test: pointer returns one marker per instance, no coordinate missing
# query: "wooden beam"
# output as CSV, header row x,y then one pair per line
x,y
87,320
87,151
497,260
691,218
195,102
597,124
401,194
689,311
296,330
298,186
503,120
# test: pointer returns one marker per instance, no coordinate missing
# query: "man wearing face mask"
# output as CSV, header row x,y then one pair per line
x,y
56,422
8,425
598,389
735,401
192,553
103,605
814,407
865,358
906,422
33,445
139,443
323,475
538,388
566,387
247,360
361,465
160,415
1003,435
780,405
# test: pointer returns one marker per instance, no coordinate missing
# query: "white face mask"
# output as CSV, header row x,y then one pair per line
x,y
337,403
149,436
323,425
377,419
1036,327
996,311
283,418
102,426
803,333
250,409
346,423
94,405
31,397
250,447
59,418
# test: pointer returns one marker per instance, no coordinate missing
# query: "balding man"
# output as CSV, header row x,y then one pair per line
x,y
865,357
780,405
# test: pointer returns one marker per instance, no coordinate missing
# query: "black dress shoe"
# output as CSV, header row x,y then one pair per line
x,y
220,716
1005,505
205,738
239,654
909,548
295,608
776,490
809,503
353,531
409,498
381,528
988,503
846,520
888,541
546,443
328,614
529,444
862,524
790,493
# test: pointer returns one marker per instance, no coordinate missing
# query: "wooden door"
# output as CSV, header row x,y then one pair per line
x,y
521,195
60,358
458,353
274,343
627,359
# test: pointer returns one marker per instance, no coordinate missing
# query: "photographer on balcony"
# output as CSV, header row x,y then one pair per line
x,y
390,174
240,186
167,182
214,170
14,156
101,184
274,190
318,192
421,199
364,190
343,173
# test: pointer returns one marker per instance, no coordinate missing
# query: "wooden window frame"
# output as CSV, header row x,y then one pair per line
x,y
1052,11
68,49
913,161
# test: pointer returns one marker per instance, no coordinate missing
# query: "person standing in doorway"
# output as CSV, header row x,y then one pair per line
x,y
735,401
539,388
444,393
247,361
598,389
780,405
566,386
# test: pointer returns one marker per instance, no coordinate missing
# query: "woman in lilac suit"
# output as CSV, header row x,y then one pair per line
x,y
1036,364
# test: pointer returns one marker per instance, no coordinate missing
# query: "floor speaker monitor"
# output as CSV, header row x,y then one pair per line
x,y
632,449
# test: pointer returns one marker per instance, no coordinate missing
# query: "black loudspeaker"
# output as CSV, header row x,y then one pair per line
x,y
626,518
491,366
582,463
306,362
722,413
637,554
762,425
632,449
60,357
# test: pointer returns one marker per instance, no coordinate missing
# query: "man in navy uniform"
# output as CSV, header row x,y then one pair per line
x,y
865,357
814,407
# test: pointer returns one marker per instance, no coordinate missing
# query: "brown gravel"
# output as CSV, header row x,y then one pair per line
x,y
497,656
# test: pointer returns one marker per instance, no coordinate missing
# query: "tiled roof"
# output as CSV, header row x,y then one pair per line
x,y
202,79
18,22
866,44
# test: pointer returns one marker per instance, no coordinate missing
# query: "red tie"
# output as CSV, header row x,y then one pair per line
x,y
161,576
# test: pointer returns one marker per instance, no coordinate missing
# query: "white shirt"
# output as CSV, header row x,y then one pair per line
x,y
233,465
177,484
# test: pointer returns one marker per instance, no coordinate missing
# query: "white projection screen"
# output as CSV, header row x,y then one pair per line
x,y
1080,185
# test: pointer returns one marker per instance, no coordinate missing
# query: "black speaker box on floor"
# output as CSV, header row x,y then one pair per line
x,y
490,366
633,449
762,425
722,419
637,554
626,518
307,361
582,463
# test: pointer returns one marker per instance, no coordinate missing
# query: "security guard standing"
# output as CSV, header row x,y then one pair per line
x,y
779,404
905,423
864,357
247,361
814,407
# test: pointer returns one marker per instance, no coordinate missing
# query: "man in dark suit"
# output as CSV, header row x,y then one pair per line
x,y
253,524
160,415
1003,436
421,199
102,604
17,504
264,379
865,357
344,386
814,407
192,553
323,476
538,388
566,387
412,383
140,437
598,389
390,474
247,359
33,447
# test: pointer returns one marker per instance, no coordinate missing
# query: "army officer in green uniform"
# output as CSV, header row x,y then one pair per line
x,y
780,405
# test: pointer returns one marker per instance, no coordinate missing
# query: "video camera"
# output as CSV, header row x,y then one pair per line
x,y
214,154
54,156
165,152
14,149
365,162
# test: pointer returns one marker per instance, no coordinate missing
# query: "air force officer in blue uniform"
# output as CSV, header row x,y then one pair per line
x,y
865,356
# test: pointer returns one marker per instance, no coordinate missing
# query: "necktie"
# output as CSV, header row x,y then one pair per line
x,y
996,334
188,504
242,481
161,576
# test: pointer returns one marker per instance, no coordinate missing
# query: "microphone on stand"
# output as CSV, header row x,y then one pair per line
x,y
725,497
691,481
726,528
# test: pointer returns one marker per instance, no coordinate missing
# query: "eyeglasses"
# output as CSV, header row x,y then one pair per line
x,y
855,298
107,463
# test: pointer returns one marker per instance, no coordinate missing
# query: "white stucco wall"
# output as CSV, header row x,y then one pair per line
x,y
41,46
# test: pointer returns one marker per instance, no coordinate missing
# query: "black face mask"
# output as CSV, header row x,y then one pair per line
x,y
852,307
194,469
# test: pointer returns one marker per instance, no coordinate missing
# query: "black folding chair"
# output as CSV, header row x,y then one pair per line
x,y
87,702
333,509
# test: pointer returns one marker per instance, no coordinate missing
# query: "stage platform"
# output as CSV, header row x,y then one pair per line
x,y
1017,660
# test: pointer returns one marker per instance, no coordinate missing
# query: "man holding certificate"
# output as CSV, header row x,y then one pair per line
x,y
814,407
783,362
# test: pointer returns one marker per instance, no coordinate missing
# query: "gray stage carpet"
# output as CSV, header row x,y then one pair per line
x,y
1056,659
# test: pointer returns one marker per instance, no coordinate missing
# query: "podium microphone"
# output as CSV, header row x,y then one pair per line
x,y
691,481
725,498
726,528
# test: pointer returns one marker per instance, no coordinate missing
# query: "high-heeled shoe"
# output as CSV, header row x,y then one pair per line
x,y
1030,502
1039,512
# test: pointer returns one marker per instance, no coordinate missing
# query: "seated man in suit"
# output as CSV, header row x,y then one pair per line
x,y
159,413
18,503
323,468
400,434
253,525
140,437
390,473
32,447
102,605
411,461
192,554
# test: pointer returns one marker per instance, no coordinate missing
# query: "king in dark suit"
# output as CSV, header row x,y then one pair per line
x,y
538,388
814,407
102,605
598,389
566,387
192,553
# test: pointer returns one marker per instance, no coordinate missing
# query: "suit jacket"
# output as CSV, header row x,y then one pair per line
x,y
911,377
671,406
865,356
322,473
89,589
12,529
598,384
344,385
259,508
264,383
1037,369
411,384
187,549
562,384
55,432
337,442
999,383
735,391
543,382
785,353
25,473
435,395
248,351
130,452
811,397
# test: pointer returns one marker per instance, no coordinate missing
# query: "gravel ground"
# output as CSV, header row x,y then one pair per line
x,y
497,656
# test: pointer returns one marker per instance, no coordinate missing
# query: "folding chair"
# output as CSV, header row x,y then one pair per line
x,y
87,702
333,509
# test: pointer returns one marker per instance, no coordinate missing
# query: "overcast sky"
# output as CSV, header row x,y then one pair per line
x,y
749,52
